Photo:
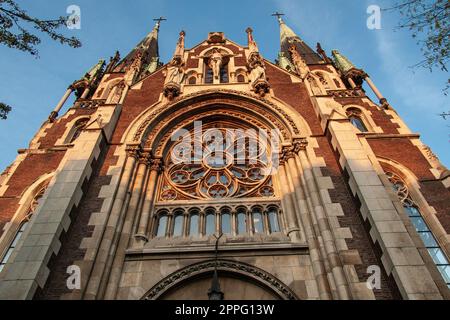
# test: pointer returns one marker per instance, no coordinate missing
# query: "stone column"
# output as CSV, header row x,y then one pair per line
x,y
331,252
61,103
85,93
352,83
112,224
118,251
288,205
155,169
289,156
316,252
383,101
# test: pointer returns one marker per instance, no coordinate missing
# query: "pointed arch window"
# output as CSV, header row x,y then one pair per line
x,y
429,240
22,227
323,79
209,75
192,80
178,224
241,221
194,224
355,117
210,222
162,225
274,223
80,125
226,221
224,74
258,222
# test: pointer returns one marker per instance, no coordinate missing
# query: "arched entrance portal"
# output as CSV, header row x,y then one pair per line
x,y
238,281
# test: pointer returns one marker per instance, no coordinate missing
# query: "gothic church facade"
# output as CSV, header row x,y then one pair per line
x,y
357,208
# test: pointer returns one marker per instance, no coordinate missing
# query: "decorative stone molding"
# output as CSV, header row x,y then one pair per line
x,y
88,104
259,275
352,93
300,144
133,151
138,136
157,165
261,87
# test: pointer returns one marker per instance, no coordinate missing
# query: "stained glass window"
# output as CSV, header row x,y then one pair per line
x,y
23,225
412,210
225,166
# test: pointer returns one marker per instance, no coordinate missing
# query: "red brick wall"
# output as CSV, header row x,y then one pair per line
x,y
79,229
408,155
379,116
404,152
294,94
59,127
137,101
28,171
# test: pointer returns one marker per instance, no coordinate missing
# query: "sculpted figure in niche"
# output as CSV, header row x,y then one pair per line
x,y
257,69
314,86
175,69
175,72
215,62
118,90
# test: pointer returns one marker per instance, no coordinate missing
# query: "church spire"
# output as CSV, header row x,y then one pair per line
x,y
288,38
148,49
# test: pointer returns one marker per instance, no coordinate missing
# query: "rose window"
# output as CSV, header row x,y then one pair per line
x,y
218,164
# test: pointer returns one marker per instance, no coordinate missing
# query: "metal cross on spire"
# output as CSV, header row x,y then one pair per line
x,y
159,20
278,15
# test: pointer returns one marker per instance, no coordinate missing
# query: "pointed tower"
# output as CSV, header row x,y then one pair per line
x,y
289,37
148,49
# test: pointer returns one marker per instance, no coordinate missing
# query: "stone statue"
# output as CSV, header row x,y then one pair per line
x,y
118,90
215,62
300,64
257,74
256,68
175,72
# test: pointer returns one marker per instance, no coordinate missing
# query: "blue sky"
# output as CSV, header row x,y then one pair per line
x,y
34,86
